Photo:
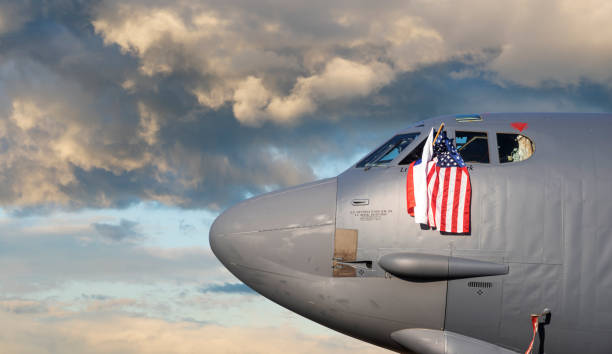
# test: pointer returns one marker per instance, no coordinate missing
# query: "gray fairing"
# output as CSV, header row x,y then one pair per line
x,y
548,219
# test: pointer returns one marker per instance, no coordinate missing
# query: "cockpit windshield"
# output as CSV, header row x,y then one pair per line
x,y
388,151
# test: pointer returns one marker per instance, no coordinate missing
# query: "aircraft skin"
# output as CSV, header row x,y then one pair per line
x,y
546,220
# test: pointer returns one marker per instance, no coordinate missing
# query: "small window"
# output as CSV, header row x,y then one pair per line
x,y
388,151
514,147
473,146
415,154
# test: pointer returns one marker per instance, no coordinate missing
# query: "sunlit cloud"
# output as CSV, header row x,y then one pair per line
x,y
105,104
26,331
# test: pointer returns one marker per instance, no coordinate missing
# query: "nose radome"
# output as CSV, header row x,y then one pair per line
x,y
308,205
213,239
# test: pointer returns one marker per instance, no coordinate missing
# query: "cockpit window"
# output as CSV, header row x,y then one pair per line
x,y
388,151
514,147
473,146
415,154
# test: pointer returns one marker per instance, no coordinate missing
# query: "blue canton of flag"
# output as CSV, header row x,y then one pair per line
x,y
447,153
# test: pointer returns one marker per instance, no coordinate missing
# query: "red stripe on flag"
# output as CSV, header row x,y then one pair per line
x,y
410,201
431,170
466,201
458,177
445,192
449,198
434,194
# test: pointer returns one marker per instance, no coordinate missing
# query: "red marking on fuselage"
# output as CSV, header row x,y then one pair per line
x,y
520,126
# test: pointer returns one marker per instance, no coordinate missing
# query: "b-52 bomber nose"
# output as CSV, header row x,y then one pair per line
x,y
285,234
282,244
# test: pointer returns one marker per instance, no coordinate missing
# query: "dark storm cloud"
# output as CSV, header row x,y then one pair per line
x,y
458,86
97,143
197,104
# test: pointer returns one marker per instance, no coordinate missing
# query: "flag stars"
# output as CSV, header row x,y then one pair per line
x,y
447,153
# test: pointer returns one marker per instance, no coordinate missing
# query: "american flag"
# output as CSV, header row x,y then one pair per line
x,y
448,189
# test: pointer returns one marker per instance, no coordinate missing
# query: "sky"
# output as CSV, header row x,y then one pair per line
x,y
126,127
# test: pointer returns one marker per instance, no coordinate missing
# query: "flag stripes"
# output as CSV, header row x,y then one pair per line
x,y
449,192
438,190
432,192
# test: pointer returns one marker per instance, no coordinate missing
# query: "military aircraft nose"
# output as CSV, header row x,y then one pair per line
x,y
292,228
213,239
223,233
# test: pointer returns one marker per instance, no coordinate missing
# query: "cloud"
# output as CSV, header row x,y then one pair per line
x,y
41,258
104,104
186,228
18,306
341,79
251,98
252,62
405,35
110,305
228,288
95,297
100,332
12,17
125,230
67,287
57,153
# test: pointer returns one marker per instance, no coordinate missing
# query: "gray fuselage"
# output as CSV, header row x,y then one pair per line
x,y
549,218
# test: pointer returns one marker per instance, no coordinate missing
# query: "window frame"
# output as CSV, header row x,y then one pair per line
x,y
408,150
492,157
423,135
512,163
394,161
